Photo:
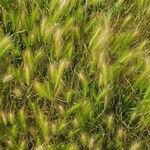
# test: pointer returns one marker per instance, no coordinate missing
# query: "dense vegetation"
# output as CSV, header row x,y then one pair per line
x,y
75,74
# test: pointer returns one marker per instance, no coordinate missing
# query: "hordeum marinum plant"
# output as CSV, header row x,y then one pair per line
x,y
75,74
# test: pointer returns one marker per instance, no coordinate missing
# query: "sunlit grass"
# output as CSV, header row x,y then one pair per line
x,y
74,74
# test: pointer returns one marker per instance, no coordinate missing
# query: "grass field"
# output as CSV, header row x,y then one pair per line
x,y
74,74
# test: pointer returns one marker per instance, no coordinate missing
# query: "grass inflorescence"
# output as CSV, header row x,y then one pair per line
x,y
75,74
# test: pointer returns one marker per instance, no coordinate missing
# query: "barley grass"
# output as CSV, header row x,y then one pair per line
x,y
75,74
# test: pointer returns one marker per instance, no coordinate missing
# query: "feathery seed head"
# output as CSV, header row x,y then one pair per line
x,y
22,119
43,89
4,118
84,139
135,146
17,92
69,95
27,74
44,23
28,58
91,143
62,125
53,128
22,145
11,117
58,43
43,125
147,63
81,77
110,120
120,133
5,45
10,144
73,147
62,110
75,122
63,2
40,147
52,72
7,78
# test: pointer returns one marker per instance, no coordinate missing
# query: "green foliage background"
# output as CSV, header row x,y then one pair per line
x,y
75,74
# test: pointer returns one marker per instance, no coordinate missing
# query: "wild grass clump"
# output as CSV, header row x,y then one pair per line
x,y
75,74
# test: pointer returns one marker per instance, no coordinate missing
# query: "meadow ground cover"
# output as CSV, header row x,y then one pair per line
x,y
75,74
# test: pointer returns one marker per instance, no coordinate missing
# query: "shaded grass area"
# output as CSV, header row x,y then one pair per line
x,y
74,74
